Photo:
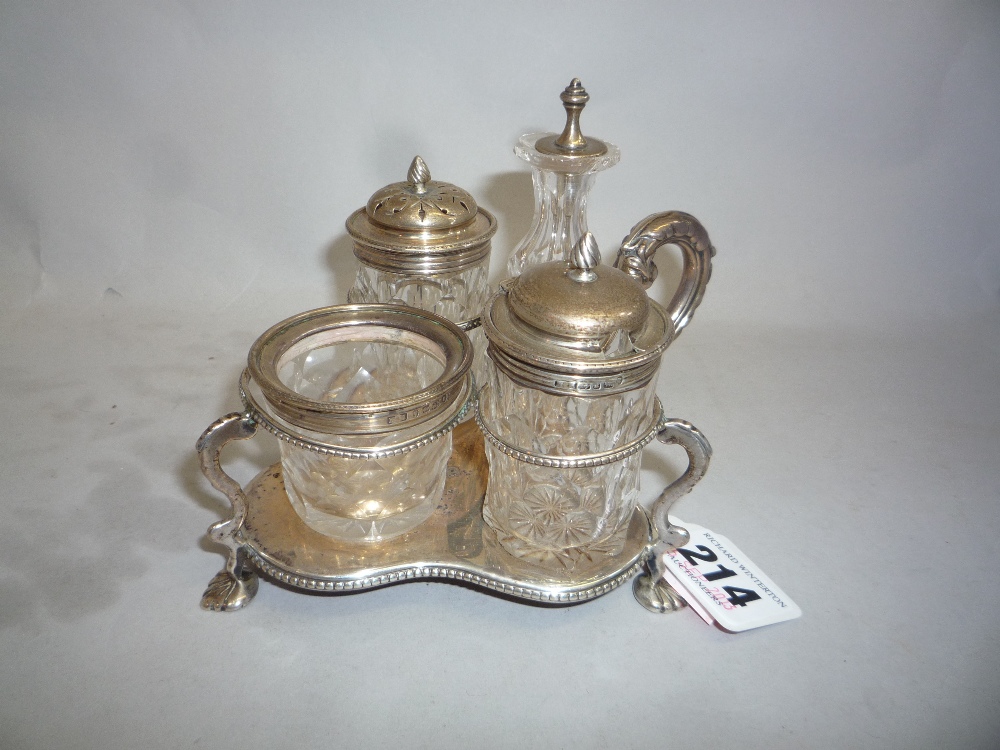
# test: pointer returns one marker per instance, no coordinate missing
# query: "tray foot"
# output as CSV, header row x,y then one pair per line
x,y
649,588
657,597
228,593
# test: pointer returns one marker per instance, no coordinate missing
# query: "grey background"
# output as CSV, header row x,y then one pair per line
x,y
174,179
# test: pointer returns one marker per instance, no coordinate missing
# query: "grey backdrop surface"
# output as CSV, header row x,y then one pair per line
x,y
174,178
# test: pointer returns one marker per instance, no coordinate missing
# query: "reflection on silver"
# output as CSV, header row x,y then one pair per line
x,y
454,543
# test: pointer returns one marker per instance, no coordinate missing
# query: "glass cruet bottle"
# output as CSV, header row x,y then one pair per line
x,y
563,168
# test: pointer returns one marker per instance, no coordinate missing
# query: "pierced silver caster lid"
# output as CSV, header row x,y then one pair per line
x,y
421,226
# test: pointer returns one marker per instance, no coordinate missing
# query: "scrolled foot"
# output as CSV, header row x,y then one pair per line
x,y
656,597
228,593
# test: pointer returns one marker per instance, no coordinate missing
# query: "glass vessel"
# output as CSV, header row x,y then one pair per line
x,y
570,398
563,169
553,514
426,244
366,397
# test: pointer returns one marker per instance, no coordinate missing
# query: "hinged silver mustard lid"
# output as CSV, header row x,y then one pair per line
x,y
577,327
421,226
584,302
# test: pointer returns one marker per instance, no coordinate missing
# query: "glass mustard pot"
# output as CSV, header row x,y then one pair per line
x,y
426,244
570,400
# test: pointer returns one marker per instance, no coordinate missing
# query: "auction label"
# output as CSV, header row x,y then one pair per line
x,y
720,583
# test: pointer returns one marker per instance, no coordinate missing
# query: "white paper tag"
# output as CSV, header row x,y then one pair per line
x,y
720,583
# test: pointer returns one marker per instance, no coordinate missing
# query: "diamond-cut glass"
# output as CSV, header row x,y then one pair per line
x,y
359,499
562,185
562,516
458,296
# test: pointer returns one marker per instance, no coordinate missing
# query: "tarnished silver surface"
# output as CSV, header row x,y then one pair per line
x,y
453,544
636,257
418,329
577,328
585,328
420,203
450,259
235,585
581,305
421,227
313,442
566,328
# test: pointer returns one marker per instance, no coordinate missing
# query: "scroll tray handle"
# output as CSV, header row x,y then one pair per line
x,y
235,585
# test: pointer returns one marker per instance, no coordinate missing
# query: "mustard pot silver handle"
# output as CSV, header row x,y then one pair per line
x,y
636,258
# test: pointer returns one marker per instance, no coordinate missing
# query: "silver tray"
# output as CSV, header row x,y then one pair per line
x,y
265,535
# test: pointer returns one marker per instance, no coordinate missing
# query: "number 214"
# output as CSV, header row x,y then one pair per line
x,y
739,596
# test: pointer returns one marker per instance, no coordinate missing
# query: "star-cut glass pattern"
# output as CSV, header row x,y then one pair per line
x,y
562,517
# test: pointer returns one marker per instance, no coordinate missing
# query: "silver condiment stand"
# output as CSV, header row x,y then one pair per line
x,y
264,535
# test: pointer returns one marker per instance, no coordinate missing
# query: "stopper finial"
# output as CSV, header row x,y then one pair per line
x,y
574,98
571,141
418,175
584,258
